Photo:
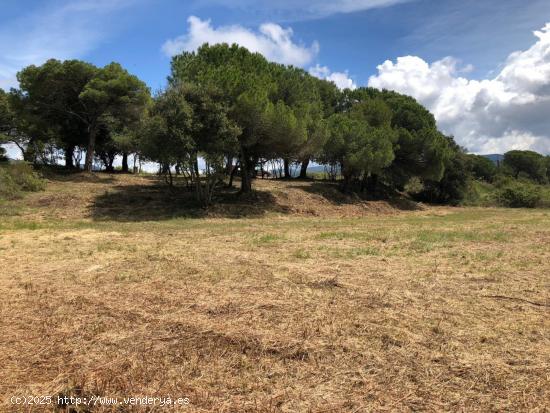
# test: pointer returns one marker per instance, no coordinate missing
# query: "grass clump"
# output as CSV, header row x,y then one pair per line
x,y
19,177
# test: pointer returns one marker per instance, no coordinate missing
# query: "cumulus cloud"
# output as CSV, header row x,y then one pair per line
x,y
340,79
509,111
271,40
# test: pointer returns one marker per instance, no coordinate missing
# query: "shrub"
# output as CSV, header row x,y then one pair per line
x,y
519,195
18,177
8,188
25,177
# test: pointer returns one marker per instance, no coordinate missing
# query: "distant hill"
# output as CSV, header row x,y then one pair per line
x,y
495,157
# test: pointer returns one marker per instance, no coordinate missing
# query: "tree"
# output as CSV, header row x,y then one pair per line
x,y
248,83
6,122
420,150
48,103
300,91
213,135
72,101
126,143
452,186
111,92
530,163
284,134
6,117
164,135
11,128
482,167
187,122
360,150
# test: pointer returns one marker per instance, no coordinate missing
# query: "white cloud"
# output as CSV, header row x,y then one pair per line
x,y
271,40
325,8
509,111
300,9
67,31
340,79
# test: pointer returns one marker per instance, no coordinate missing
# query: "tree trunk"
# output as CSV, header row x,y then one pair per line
x,y
125,162
372,183
246,181
229,165
29,153
287,168
232,174
88,164
303,168
346,184
69,153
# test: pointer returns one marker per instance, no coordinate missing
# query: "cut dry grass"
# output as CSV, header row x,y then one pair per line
x,y
439,309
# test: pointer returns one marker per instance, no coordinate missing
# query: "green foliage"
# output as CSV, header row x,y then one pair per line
x,y
164,135
519,195
482,167
186,121
419,148
529,163
48,106
6,116
359,148
71,102
276,109
18,177
8,188
224,102
453,185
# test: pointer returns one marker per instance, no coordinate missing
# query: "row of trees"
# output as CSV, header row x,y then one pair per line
x,y
526,165
227,111
266,111
71,105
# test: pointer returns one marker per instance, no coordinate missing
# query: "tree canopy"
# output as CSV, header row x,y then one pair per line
x,y
75,101
229,112
532,164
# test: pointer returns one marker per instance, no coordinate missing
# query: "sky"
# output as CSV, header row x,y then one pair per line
x,y
482,67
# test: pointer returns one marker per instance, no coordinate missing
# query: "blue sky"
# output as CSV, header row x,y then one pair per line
x,y
459,50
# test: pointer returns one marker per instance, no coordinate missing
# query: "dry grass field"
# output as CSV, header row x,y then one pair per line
x,y
305,302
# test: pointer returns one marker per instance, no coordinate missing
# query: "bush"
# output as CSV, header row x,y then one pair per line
x,y
25,177
18,177
8,187
519,195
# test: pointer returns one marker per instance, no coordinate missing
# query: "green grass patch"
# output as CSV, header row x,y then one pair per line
x,y
268,239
